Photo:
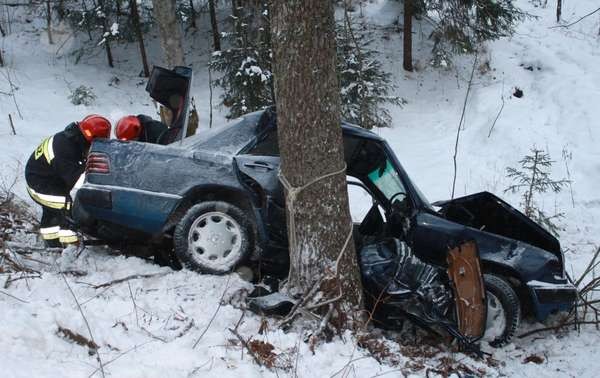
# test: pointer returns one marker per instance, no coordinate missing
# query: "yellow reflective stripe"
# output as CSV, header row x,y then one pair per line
x,y
53,202
46,148
69,239
51,236
49,149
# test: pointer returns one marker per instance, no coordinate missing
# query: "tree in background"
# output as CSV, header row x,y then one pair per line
x,y
245,63
214,25
461,25
532,178
407,61
364,85
322,252
247,80
135,19
171,38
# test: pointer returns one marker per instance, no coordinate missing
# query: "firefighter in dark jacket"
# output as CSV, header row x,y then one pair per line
x,y
140,128
54,168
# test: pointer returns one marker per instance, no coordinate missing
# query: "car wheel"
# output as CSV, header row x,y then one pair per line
x,y
503,311
213,237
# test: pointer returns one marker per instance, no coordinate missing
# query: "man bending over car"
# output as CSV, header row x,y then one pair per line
x,y
54,168
140,128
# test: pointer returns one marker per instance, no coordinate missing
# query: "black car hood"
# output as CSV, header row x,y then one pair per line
x,y
486,212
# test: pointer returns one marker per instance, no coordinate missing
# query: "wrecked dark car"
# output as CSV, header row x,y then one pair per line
x,y
216,201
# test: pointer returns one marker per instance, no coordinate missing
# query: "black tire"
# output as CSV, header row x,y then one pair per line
x,y
195,258
501,292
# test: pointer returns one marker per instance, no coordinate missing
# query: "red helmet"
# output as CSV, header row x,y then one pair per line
x,y
95,126
128,128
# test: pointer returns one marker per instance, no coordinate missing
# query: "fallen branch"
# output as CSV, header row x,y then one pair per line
x,y
558,327
25,248
245,345
575,22
128,278
13,297
499,112
78,339
87,324
215,314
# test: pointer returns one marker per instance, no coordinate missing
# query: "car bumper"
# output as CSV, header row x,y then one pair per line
x,y
551,297
137,209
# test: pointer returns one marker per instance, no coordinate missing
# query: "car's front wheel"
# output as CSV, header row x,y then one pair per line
x,y
213,237
503,311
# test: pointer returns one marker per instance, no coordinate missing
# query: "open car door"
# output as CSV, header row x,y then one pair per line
x,y
171,89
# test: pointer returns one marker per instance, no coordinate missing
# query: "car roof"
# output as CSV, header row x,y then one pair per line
x,y
231,138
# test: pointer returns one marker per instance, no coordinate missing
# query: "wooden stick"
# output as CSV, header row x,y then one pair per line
x,y
12,125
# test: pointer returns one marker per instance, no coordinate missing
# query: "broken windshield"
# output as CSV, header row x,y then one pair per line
x,y
387,180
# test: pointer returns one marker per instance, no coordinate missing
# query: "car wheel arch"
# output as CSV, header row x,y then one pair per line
x,y
199,194
515,280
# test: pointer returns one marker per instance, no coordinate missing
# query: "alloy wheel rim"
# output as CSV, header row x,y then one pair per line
x,y
495,324
215,240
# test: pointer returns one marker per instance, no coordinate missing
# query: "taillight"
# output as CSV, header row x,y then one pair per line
x,y
97,163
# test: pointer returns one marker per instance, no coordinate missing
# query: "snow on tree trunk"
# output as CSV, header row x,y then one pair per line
x,y
408,14
165,13
310,141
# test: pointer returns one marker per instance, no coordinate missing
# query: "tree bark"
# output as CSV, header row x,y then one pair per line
x,y
407,55
193,15
310,142
171,38
558,10
49,21
138,29
105,29
215,26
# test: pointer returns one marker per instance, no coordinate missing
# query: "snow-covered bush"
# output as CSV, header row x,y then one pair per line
x,y
82,95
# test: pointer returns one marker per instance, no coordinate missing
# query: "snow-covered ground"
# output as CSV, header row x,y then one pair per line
x,y
148,327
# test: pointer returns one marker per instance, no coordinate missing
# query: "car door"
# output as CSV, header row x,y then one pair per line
x,y
259,168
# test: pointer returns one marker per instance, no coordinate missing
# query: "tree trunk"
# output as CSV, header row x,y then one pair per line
x,y
193,14
310,141
215,26
408,15
49,21
105,29
558,10
138,29
171,38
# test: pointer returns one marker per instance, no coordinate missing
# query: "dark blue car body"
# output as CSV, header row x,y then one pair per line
x,y
149,188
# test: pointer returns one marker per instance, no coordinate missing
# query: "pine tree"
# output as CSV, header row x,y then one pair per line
x,y
245,64
534,178
461,25
364,85
247,77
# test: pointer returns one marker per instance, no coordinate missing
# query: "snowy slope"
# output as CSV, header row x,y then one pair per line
x,y
148,327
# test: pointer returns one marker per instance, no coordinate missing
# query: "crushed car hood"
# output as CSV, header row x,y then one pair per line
x,y
486,212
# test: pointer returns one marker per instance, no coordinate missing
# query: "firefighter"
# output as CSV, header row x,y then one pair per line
x,y
140,128
54,168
